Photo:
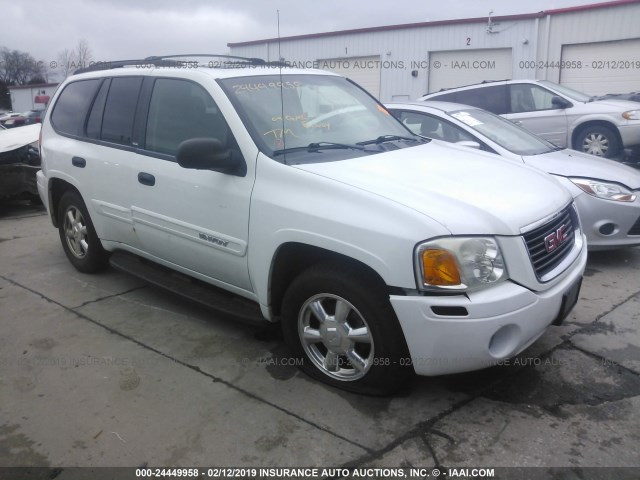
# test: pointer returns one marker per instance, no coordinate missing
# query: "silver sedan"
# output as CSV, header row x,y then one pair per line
x,y
607,193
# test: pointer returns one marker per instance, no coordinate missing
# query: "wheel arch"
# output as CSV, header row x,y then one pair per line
x,y
593,123
57,188
293,258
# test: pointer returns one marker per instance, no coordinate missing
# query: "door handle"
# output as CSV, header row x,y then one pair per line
x,y
518,122
78,162
146,179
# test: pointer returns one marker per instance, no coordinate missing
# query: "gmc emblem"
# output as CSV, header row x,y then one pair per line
x,y
557,238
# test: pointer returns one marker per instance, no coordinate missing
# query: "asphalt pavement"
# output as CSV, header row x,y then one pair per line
x,y
105,370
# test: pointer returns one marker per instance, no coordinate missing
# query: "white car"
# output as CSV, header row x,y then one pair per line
x,y
378,259
561,115
607,193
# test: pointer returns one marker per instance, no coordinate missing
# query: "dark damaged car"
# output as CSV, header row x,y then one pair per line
x,y
19,162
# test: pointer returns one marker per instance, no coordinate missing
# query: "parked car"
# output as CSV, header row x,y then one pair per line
x,y
8,117
606,193
33,116
377,258
26,118
561,115
19,162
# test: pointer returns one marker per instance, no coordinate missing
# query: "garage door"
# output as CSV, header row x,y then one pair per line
x,y
456,68
365,71
605,67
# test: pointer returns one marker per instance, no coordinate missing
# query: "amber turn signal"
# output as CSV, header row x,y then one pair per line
x,y
440,268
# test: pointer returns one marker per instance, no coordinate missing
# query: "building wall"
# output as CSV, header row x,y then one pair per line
x,y
534,41
22,98
601,25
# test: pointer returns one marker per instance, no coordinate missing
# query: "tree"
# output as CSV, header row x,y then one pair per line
x,y
70,60
18,68
5,99
84,55
66,61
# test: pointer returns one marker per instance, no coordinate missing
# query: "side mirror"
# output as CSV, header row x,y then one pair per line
x,y
469,143
210,154
560,102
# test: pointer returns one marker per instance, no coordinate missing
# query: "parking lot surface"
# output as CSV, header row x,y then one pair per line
x,y
105,370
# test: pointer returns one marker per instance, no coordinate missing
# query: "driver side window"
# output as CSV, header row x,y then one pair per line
x,y
432,127
181,110
529,98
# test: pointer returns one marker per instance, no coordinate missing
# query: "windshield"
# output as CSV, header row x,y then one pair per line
x,y
569,92
509,136
298,111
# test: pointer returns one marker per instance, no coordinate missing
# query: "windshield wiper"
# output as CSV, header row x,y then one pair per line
x,y
389,138
323,145
316,147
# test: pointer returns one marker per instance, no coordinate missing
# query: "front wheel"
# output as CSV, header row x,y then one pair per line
x,y
344,330
598,140
79,239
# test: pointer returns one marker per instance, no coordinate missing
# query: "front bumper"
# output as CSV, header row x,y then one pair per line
x,y
17,179
607,223
500,322
630,134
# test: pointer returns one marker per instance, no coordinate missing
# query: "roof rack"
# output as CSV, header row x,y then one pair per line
x,y
229,61
470,85
493,81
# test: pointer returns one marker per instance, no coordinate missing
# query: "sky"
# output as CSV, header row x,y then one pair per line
x,y
131,29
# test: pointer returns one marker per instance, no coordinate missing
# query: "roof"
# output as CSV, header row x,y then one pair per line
x,y
385,28
201,72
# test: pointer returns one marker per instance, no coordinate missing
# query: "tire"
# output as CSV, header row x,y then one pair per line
x,y
35,199
79,239
363,350
598,140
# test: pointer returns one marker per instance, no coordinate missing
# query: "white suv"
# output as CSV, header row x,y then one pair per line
x,y
379,251
561,115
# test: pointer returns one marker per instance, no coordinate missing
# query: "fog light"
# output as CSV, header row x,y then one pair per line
x,y
607,229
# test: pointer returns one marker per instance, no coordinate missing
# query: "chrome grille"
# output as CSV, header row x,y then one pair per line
x,y
537,241
635,229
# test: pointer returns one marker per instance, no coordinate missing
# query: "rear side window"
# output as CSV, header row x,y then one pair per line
x,y
120,109
492,98
72,105
94,122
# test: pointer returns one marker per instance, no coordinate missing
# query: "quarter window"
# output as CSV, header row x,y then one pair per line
x,y
71,108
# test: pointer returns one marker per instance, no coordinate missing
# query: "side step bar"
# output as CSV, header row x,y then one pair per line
x,y
211,297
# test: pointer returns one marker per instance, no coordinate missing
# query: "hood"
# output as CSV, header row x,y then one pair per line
x,y
614,105
17,137
571,163
631,96
467,192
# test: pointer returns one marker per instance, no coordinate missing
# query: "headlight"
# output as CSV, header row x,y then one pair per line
x,y
459,263
631,115
606,190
